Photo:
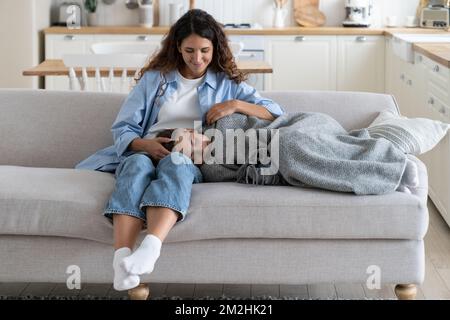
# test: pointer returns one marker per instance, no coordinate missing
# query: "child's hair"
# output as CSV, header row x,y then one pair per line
x,y
167,133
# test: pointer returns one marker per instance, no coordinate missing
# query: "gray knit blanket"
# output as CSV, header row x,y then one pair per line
x,y
303,149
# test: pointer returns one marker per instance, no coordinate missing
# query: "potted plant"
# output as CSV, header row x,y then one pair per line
x,y
91,7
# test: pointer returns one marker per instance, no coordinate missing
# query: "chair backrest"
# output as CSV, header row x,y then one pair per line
x,y
95,65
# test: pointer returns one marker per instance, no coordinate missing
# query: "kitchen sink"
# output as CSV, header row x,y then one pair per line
x,y
402,43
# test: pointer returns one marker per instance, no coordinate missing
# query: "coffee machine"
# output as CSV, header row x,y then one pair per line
x,y
357,13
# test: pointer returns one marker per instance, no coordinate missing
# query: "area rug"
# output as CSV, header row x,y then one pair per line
x,y
87,297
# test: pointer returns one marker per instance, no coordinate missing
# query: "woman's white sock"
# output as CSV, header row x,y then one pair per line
x,y
144,258
122,279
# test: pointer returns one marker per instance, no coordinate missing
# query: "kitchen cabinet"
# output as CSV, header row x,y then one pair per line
x,y
422,89
405,82
301,62
350,63
57,45
438,160
360,63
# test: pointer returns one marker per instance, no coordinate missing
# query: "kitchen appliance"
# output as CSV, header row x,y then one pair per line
x,y
69,15
243,25
358,13
435,17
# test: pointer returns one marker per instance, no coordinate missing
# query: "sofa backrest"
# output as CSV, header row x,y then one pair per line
x,y
353,110
43,128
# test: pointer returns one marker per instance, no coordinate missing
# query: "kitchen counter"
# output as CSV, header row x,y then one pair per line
x,y
294,30
439,52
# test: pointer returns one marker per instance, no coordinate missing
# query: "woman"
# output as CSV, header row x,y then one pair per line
x,y
192,78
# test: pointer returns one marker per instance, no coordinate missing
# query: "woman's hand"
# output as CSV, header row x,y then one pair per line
x,y
220,110
153,147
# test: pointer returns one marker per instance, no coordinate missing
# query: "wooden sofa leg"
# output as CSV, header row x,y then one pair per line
x,y
406,291
141,292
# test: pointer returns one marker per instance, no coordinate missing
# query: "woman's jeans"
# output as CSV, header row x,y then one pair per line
x,y
139,184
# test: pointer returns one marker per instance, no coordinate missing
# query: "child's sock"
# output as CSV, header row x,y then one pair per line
x,y
122,279
144,258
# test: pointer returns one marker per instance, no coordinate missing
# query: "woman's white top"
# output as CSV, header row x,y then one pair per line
x,y
180,110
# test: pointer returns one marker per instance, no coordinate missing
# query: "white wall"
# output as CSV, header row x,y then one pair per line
x,y
260,11
21,23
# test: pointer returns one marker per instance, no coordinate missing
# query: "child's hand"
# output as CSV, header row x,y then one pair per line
x,y
155,149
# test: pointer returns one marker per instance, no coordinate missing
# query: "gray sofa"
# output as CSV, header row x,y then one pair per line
x,y
51,214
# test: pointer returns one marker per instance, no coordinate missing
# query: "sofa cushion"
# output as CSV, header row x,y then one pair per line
x,y
69,203
56,202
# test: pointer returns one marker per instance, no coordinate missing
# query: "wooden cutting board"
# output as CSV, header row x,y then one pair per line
x,y
307,13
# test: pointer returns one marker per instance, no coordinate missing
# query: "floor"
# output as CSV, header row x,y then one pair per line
x,y
435,286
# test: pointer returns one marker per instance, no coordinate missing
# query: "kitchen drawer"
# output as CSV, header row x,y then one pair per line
x,y
127,37
437,161
437,72
58,45
437,90
438,109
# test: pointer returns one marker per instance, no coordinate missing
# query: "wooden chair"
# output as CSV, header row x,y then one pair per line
x,y
124,55
83,66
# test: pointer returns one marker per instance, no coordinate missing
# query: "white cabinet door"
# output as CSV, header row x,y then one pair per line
x,y
302,63
55,46
360,63
138,38
388,66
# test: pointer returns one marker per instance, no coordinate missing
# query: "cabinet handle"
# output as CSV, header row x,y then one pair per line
x,y
442,110
420,58
402,77
69,37
361,39
299,38
430,101
142,38
409,82
436,68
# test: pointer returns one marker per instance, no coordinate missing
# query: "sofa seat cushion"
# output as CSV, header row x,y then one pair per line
x,y
69,203
54,202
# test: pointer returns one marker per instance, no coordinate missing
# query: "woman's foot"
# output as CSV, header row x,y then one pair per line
x,y
144,258
122,279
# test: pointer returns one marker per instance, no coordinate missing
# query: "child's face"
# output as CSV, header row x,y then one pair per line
x,y
189,142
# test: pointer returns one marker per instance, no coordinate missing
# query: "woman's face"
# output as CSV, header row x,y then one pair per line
x,y
197,54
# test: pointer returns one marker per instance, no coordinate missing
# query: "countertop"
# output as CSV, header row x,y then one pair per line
x,y
439,52
436,51
294,30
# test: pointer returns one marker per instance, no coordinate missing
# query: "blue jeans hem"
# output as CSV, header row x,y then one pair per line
x,y
110,212
164,205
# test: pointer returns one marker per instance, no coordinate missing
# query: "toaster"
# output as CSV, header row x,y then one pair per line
x,y
69,15
435,17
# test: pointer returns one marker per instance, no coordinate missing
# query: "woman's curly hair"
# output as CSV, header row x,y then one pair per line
x,y
201,23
